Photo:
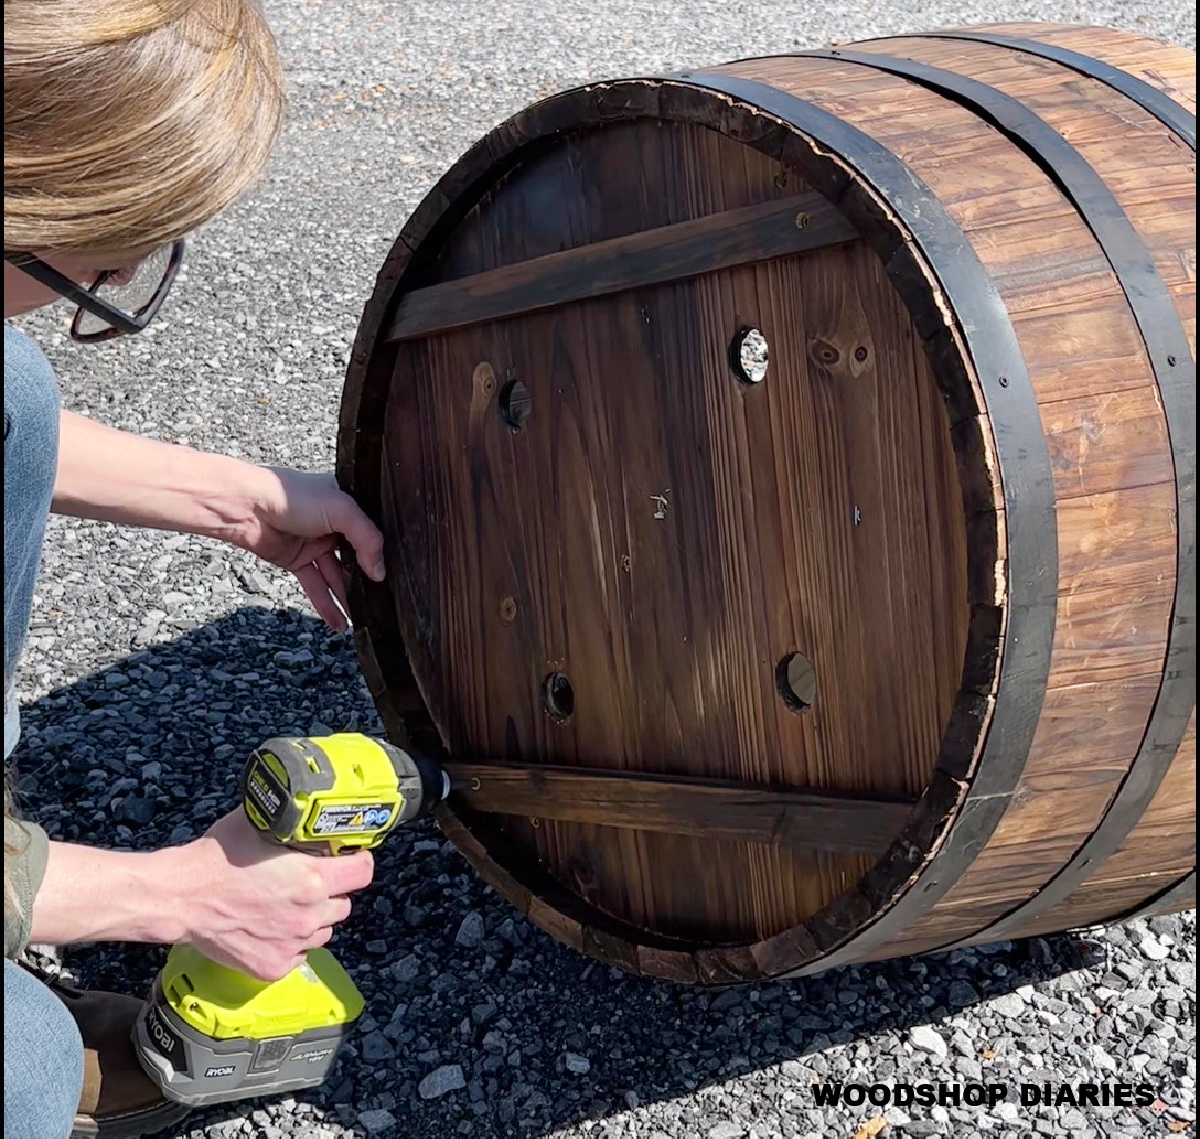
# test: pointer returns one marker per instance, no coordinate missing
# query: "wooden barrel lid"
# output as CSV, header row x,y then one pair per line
x,y
676,501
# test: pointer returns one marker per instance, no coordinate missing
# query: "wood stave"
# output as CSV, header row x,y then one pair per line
x,y
1145,95
1170,358
1180,775
1173,73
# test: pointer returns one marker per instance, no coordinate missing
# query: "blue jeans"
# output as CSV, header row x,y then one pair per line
x,y
43,1060
43,1052
31,409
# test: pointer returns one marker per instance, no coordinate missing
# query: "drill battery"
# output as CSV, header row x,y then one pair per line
x,y
242,1037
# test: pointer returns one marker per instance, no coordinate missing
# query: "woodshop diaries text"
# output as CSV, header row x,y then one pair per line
x,y
980,1094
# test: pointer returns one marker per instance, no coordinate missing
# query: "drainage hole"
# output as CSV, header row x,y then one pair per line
x,y
558,697
796,680
516,404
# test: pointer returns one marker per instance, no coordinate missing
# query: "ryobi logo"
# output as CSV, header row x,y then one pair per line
x,y
164,1039
225,1070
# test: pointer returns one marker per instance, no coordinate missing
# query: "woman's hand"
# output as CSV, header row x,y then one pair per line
x,y
241,901
295,520
259,907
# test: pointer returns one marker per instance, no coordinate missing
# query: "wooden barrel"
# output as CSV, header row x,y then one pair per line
x,y
788,476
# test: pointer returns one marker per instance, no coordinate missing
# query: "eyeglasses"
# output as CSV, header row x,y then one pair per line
x,y
120,302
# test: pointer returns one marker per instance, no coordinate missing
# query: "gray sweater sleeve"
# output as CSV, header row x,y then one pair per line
x,y
25,869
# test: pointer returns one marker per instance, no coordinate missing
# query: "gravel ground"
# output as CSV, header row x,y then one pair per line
x,y
155,663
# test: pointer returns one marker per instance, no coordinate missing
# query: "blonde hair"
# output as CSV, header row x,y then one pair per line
x,y
129,123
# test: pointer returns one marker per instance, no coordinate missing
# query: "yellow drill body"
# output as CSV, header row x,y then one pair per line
x,y
209,1033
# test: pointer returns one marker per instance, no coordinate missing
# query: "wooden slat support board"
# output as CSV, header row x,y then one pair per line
x,y
718,810
668,253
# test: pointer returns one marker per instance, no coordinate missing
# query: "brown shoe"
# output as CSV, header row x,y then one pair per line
x,y
118,1100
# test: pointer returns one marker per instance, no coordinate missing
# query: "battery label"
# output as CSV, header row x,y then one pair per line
x,y
352,818
265,797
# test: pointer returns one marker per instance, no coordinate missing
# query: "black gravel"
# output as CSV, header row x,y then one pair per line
x,y
156,663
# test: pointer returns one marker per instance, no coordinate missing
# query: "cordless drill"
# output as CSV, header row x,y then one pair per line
x,y
208,1033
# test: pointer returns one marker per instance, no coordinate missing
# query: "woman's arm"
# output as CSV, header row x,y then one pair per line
x,y
116,476
89,894
286,517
